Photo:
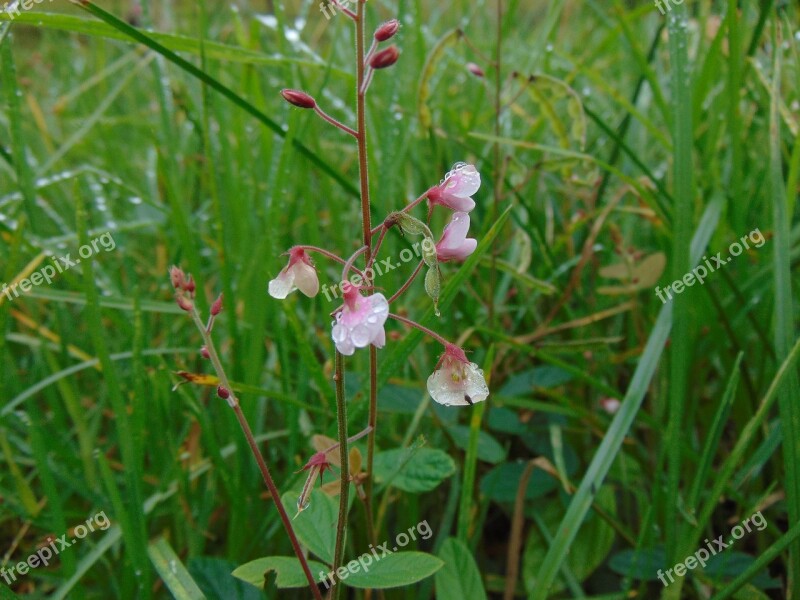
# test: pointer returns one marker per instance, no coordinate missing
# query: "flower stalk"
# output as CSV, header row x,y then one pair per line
x,y
225,390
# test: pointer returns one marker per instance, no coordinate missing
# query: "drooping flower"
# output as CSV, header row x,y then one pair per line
x,y
316,466
455,190
457,381
455,245
299,274
610,405
360,322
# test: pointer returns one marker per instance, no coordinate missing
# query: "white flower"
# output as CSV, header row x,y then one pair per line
x,y
456,381
360,322
299,274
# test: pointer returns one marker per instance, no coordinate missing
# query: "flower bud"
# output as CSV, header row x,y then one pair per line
x,y
475,70
385,58
189,286
216,308
223,392
298,99
387,30
176,277
184,303
205,353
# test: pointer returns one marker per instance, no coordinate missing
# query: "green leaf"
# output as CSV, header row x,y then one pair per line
x,y
393,570
288,571
589,549
489,449
177,43
642,564
148,41
501,483
315,527
172,572
413,470
726,565
460,578
213,576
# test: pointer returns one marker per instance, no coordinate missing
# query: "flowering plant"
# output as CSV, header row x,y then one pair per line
x,y
359,322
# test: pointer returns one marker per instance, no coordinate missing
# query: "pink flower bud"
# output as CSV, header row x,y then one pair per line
x,y
385,58
205,353
189,286
475,70
387,30
298,99
184,303
216,308
177,277
223,393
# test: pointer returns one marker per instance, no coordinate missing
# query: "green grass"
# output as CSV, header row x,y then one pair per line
x,y
624,133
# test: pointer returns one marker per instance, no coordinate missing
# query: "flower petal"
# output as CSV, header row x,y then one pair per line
x,y
282,285
305,278
463,182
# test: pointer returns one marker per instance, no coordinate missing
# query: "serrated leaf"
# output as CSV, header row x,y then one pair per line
x,y
460,578
287,569
413,470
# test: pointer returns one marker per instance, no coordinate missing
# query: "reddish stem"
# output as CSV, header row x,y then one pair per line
x,y
334,122
422,328
408,283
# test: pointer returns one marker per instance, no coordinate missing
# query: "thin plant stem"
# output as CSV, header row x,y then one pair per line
x,y
366,223
408,283
348,266
334,122
422,328
233,402
376,248
406,208
350,440
344,492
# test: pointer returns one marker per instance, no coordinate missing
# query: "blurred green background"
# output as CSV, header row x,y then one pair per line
x,y
621,135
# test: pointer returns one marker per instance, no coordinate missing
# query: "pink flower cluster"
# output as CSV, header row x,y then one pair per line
x,y
361,319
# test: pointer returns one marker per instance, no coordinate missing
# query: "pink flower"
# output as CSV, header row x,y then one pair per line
x,y
455,245
360,322
455,190
456,381
298,274
610,405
